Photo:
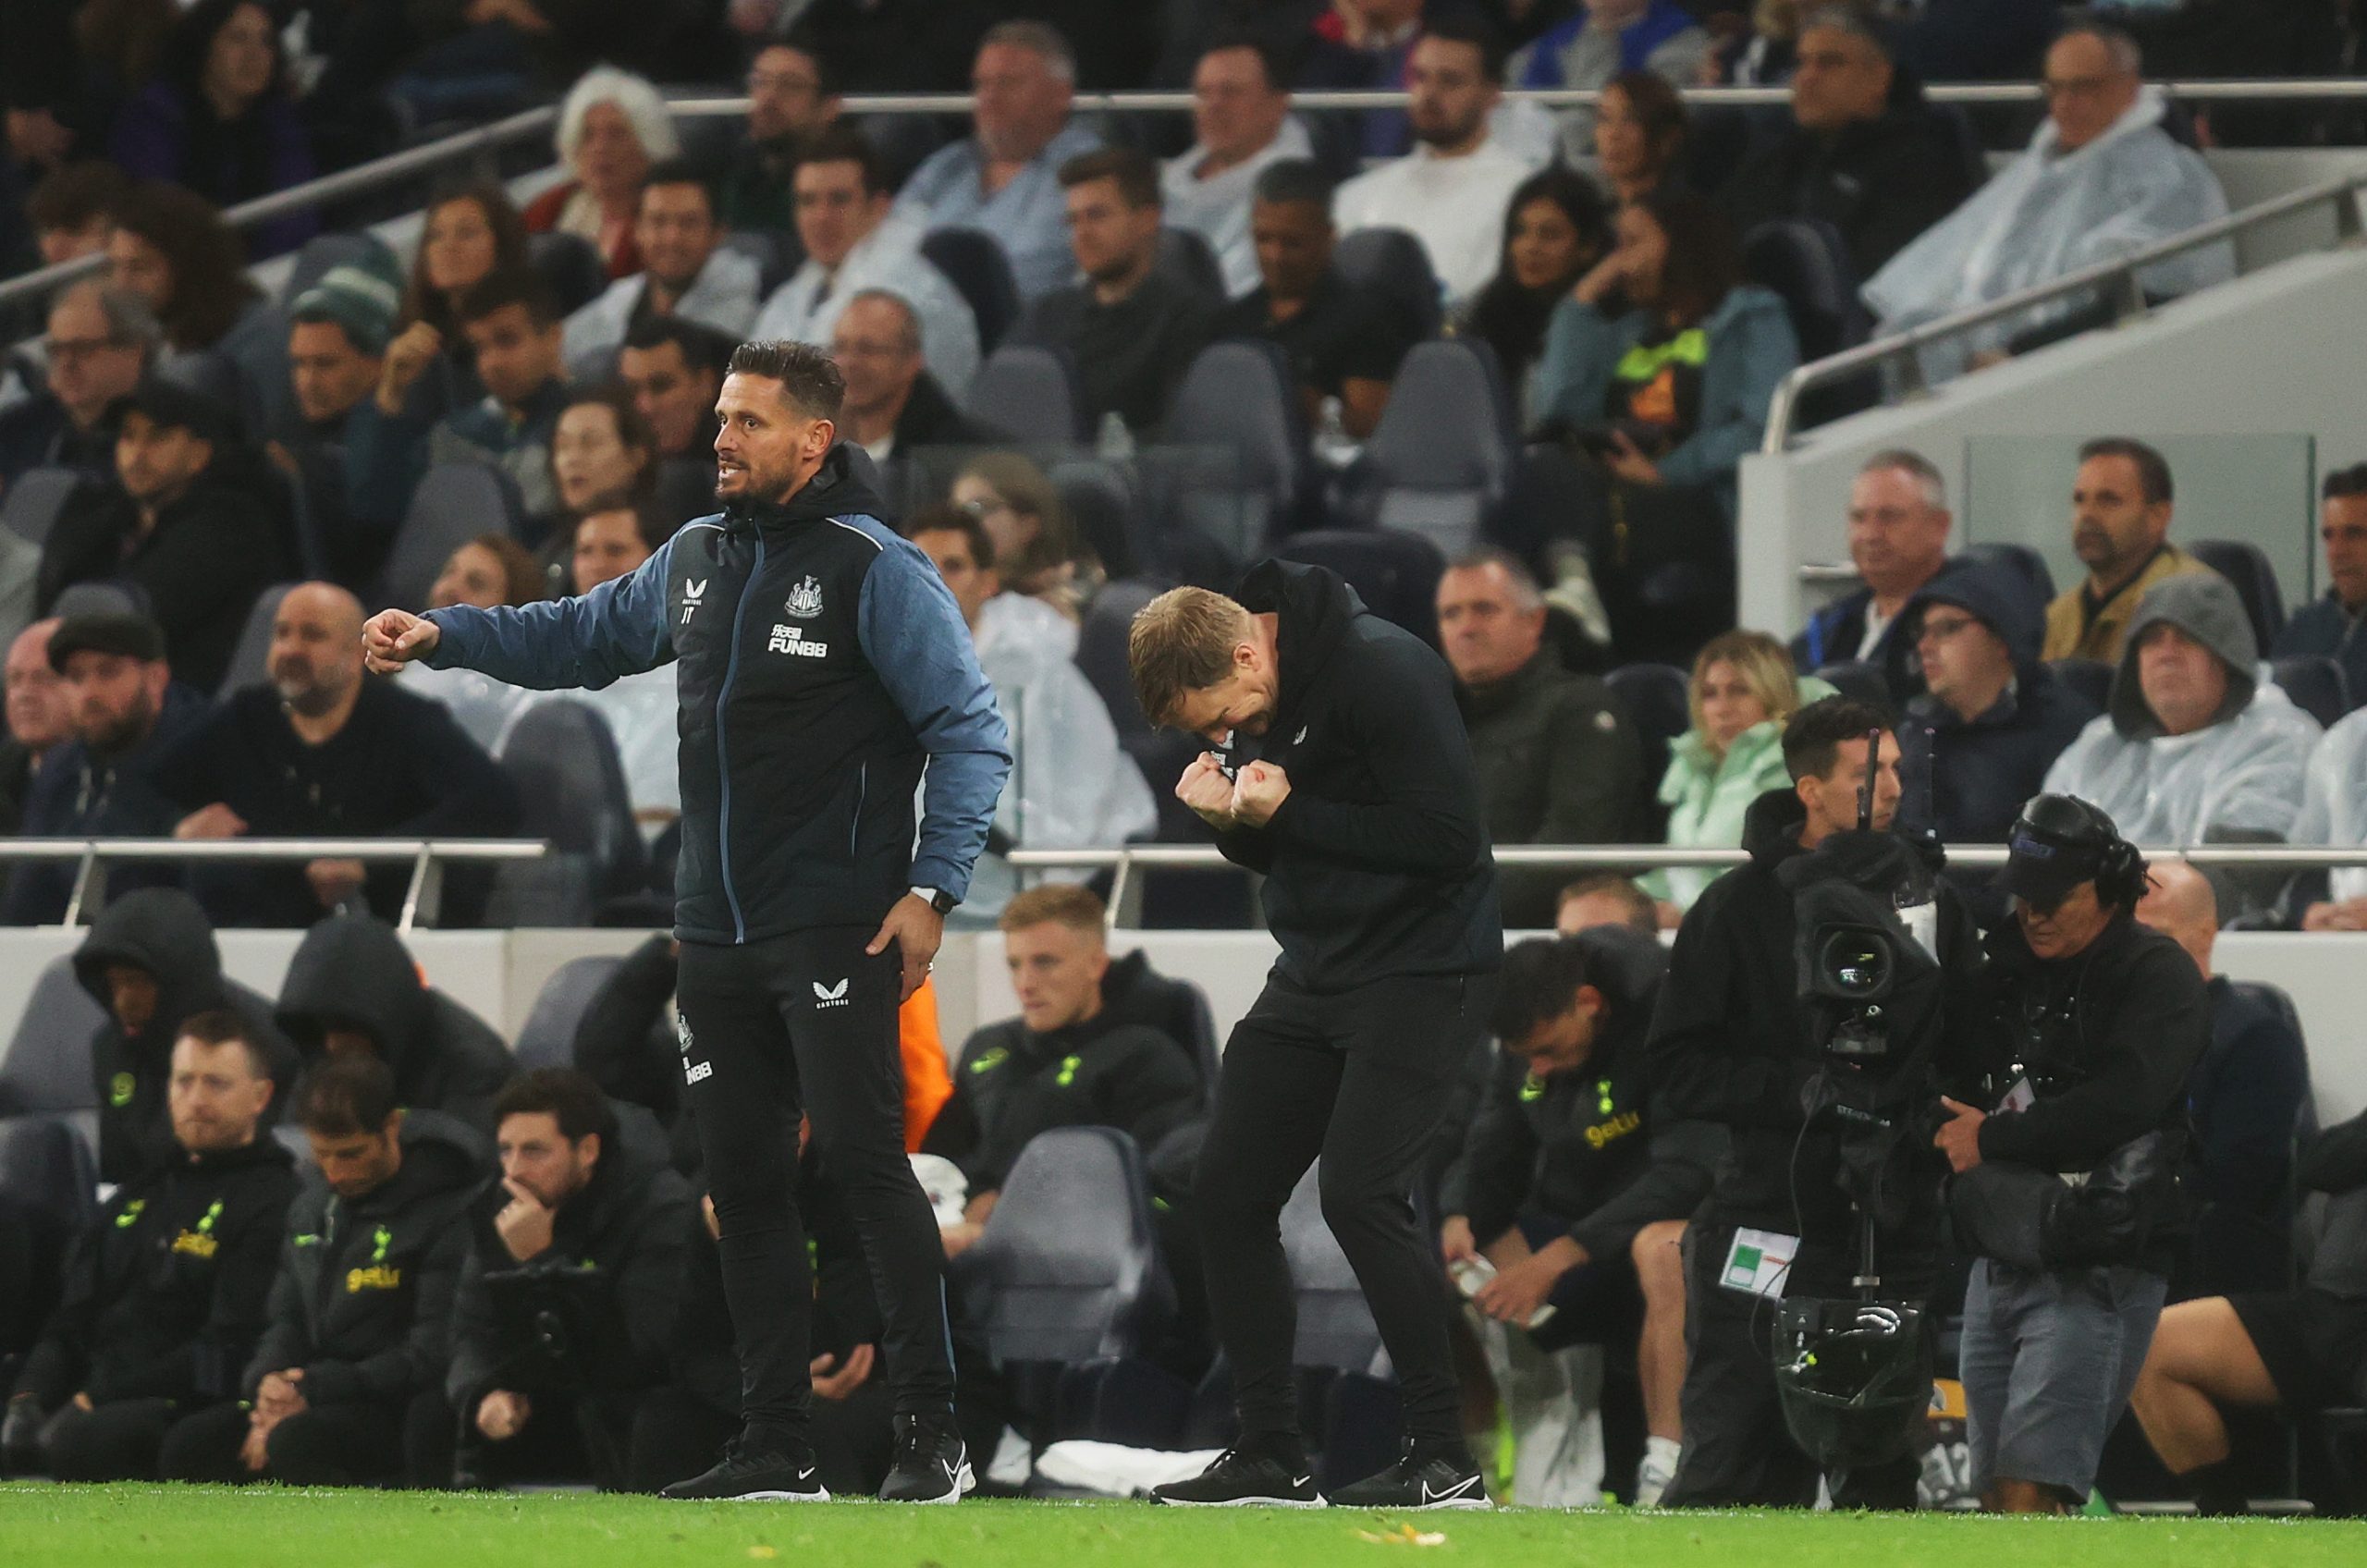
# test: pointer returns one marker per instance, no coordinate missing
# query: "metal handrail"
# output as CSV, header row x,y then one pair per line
x,y
428,857
2116,280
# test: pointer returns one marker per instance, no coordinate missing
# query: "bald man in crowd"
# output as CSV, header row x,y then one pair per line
x,y
2245,1095
317,751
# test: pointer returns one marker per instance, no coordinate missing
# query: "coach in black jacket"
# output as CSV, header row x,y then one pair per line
x,y
1348,781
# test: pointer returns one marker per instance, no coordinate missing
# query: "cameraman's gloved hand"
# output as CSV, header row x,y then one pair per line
x,y
21,1437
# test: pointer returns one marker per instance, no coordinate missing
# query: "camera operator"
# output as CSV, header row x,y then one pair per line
x,y
2066,1190
1732,1044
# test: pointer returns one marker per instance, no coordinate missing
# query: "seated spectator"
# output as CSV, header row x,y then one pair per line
x,y
512,328
1369,44
337,334
172,249
2102,180
1604,898
603,456
2121,506
674,369
1863,151
1978,740
612,127
1037,549
582,1215
489,572
1072,784
319,752
686,271
353,990
894,405
40,721
1898,541
1606,40
2295,1352
790,97
1063,1063
1741,693
1003,178
166,1289
470,233
1556,230
855,238
1641,131
1344,342
121,710
1242,125
2246,1096
71,210
361,1308
640,709
1563,1175
152,962
178,525
1130,330
2329,628
219,119
1451,191
1557,758
2194,748
101,342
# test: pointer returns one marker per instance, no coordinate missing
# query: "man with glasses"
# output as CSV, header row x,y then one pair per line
x,y
100,342
1991,718
791,98
894,406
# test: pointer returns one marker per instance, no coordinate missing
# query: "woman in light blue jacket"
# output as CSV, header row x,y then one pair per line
x,y
1742,694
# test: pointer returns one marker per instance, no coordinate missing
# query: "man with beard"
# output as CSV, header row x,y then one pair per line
x,y
791,95
674,369
320,753
1130,330
123,710
685,272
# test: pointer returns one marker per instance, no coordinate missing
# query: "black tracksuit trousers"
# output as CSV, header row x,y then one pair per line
x,y
1362,1079
806,1024
336,1445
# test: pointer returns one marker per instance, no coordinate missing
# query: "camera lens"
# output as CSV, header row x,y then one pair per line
x,y
1855,965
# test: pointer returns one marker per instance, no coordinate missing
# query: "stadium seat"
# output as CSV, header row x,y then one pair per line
x,y
1393,264
571,265
250,660
454,503
100,598
1443,457
1185,259
1395,574
213,374
46,1066
2316,684
972,261
29,507
1655,696
2090,677
2247,567
1239,412
1101,650
1861,679
564,761
1803,263
547,1037
48,1176
1028,392
1099,499
2021,558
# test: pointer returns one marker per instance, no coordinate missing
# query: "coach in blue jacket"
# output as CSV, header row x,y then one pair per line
x,y
821,663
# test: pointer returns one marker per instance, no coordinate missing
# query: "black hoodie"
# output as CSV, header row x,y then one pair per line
x,y
164,1291
363,1298
351,971
163,932
1012,1083
1377,865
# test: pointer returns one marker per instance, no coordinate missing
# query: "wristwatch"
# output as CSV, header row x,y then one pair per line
x,y
937,899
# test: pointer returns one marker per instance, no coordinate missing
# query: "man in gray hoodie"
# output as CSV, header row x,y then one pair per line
x,y
2193,747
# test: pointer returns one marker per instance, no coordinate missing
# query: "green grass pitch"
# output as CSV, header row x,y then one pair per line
x,y
266,1527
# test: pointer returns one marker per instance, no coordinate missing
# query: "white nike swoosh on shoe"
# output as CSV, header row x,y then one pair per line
x,y
1460,1495
1301,1480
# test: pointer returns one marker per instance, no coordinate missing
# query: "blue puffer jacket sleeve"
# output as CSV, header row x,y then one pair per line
x,y
617,629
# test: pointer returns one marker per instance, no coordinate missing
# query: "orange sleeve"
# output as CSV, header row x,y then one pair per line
x,y
927,1084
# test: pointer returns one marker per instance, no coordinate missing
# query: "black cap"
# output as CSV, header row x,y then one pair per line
x,y
175,407
133,636
2057,842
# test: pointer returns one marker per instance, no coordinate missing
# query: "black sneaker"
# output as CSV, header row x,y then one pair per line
x,y
1241,1478
932,1464
1426,1476
745,1474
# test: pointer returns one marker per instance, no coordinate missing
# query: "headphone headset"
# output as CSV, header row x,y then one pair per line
x,y
2077,824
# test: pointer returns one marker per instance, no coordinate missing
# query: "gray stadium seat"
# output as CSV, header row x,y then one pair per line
x,y
46,1066
571,265
250,660
30,507
2316,684
1185,259
1395,574
1335,1326
1100,498
547,1037
2090,677
1393,264
1655,696
972,261
2247,566
1028,392
1101,650
1238,409
1443,456
100,598
2021,558
454,503
564,760
1861,679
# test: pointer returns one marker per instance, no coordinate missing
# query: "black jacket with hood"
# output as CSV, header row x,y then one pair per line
x,y
165,1290
163,932
1012,1083
363,1299
1378,865
351,971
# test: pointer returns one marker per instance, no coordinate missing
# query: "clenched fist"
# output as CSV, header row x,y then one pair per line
x,y
393,638
1207,791
1259,790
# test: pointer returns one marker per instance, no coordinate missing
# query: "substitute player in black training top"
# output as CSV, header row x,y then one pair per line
x,y
1347,780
